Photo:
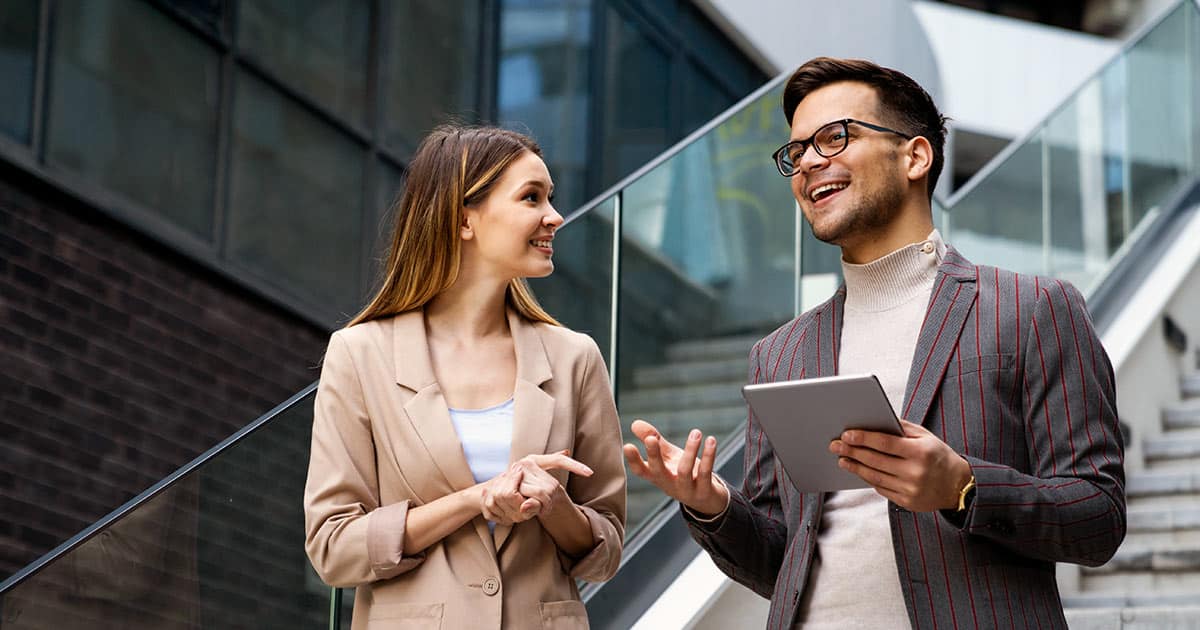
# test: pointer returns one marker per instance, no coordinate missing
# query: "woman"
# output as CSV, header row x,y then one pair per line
x,y
439,482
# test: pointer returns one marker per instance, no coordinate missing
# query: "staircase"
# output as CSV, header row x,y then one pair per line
x,y
1154,579
698,387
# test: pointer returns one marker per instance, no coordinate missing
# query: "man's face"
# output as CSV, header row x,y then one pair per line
x,y
868,182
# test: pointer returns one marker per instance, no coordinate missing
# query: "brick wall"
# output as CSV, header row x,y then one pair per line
x,y
122,361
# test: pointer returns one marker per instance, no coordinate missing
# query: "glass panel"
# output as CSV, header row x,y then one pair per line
x,y
430,67
544,85
148,129
296,197
1160,80
579,292
222,548
18,47
317,46
636,99
999,222
707,267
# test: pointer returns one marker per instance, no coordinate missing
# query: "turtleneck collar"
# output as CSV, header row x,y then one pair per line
x,y
896,278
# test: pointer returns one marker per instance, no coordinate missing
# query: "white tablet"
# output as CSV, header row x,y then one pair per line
x,y
802,417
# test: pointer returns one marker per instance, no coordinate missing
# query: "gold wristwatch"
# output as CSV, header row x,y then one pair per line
x,y
962,494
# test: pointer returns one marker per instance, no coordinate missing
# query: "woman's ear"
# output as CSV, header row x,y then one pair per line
x,y
920,158
465,231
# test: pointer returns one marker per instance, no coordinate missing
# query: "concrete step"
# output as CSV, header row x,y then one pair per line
x,y
731,371
1164,518
1137,600
1156,483
669,399
1177,448
1165,559
1184,415
1167,617
1190,386
713,348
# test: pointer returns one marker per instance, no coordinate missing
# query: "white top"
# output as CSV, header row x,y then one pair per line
x,y
486,437
855,581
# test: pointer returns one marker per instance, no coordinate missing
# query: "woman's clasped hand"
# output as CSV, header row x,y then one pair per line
x,y
527,489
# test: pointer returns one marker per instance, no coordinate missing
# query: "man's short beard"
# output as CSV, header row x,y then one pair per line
x,y
870,214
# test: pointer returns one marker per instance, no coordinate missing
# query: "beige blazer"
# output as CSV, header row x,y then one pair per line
x,y
383,442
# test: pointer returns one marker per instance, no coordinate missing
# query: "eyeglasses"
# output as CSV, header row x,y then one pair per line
x,y
828,141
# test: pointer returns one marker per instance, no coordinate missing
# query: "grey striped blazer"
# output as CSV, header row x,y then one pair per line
x,y
1009,372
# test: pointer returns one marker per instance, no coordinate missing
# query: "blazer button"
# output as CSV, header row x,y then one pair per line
x,y
491,586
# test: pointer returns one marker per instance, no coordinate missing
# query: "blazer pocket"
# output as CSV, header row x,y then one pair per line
x,y
981,363
406,616
568,614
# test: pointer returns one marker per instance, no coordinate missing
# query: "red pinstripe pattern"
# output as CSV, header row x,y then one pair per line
x,y
971,592
912,603
1023,505
925,569
784,348
1012,394
998,372
1012,619
1062,376
937,527
925,364
1037,336
962,407
1082,381
789,583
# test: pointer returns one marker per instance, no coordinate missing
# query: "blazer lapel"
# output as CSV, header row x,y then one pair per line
x,y
829,334
427,410
954,291
428,413
533,408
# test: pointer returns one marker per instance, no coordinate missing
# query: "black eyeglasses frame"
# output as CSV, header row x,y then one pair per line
x,y
781,152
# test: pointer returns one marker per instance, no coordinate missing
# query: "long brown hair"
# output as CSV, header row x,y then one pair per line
x,y
455,166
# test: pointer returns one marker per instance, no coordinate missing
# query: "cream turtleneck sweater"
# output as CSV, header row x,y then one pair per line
x,y
854,580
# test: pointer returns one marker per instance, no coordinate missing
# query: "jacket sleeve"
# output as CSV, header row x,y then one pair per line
x,y
350,538
748,540
600,497
1073,508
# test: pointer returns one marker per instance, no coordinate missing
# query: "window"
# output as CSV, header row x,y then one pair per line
x,y
637,98
430,70
18,42
296,198
544,86
133,106
319,47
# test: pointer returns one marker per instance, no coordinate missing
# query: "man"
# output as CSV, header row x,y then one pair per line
x,y
1011,458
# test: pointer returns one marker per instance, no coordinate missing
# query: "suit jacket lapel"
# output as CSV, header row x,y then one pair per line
x,y
533,408
427,409
954,291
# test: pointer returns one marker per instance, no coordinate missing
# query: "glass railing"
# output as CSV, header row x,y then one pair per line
x,y
218,544
1065,199
675,272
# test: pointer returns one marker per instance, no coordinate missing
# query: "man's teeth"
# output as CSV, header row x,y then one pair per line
x,y
540,243
821,191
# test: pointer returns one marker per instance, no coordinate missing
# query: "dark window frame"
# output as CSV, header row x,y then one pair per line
x,y
368,137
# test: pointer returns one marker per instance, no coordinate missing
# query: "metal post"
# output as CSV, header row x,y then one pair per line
x,y
335,608
615,299
1047,247
798,261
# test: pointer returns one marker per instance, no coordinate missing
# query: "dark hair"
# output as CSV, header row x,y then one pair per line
x,y
903,102
454,166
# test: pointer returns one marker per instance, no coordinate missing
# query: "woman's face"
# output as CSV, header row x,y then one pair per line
x,y
510,233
